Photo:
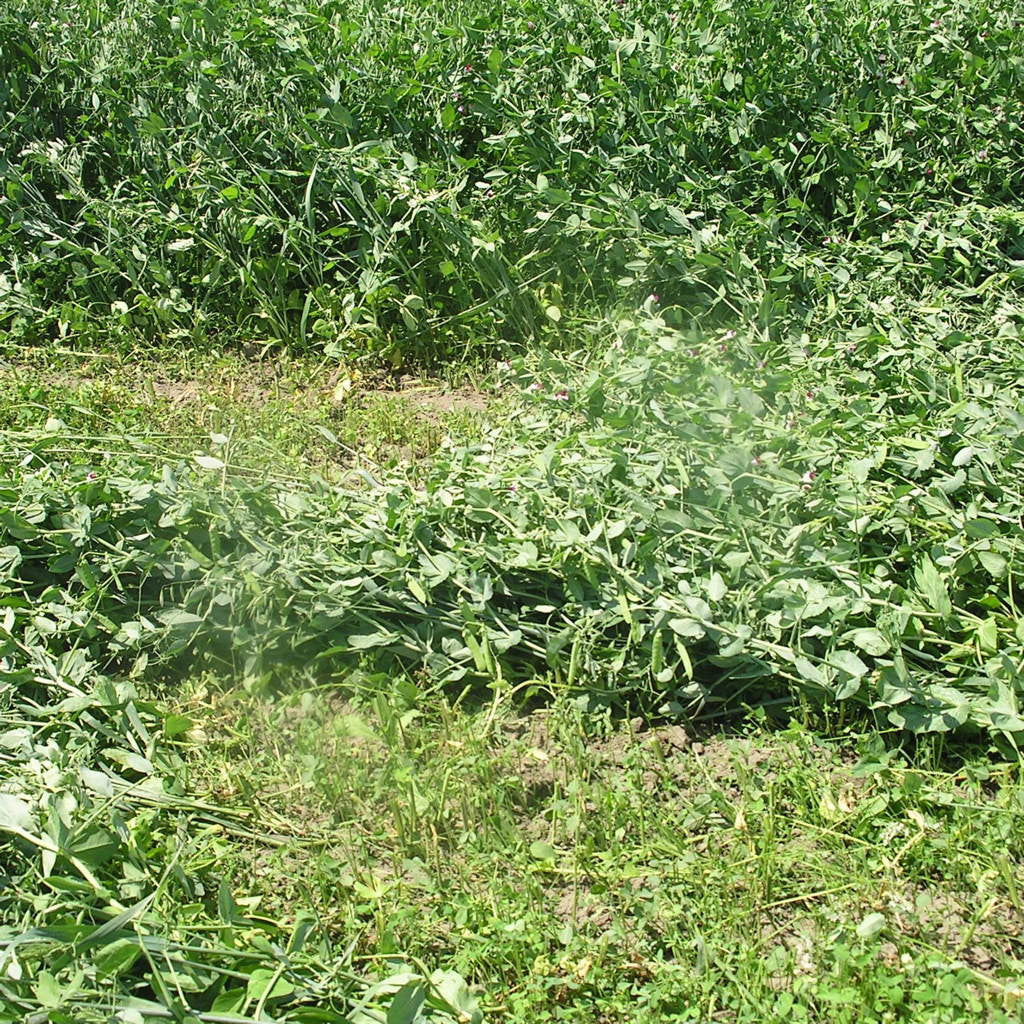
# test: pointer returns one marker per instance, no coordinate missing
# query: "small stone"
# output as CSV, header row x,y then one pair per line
x,y
675,737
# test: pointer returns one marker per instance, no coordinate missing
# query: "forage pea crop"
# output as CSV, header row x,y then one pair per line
x,y
672,525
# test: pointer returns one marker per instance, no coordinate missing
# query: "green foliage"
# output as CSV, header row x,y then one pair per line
x,y
685,523
111,902
365,178
576,866
776,461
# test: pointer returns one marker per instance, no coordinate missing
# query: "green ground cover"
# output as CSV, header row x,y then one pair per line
x,y
511,514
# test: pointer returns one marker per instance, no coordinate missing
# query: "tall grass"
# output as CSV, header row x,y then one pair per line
x,y
423,181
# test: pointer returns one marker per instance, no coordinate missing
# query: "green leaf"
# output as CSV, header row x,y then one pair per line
x,y
848,662
16,813
48,991
267,984
227,908
451,993
988,635
366,641
94,847
717,588
117,957
870,926
175,725
179,619
10,559
688,628
810,672
129,759
993,563
933,587
406,1003
870,641
230,1000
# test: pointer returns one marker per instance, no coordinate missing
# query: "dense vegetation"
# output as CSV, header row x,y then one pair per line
x,y
742,283
369,178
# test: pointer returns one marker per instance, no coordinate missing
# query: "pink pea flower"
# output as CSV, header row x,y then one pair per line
x,y
982,154
562,395
504,366
655,297
807,479
729,335
92,476
467,67
756,460
536,387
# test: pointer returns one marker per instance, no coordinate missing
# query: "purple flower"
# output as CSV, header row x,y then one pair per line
x,y
92,476
562,395
655,297
462,109
982,154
